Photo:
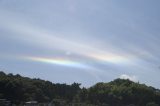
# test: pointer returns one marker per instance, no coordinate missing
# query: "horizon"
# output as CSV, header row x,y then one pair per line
x,y
77,82
81,41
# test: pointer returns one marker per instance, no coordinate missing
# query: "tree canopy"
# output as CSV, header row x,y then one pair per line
x,y
119,92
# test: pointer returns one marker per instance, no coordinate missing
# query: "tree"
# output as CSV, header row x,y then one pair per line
x,y
119,92
152,104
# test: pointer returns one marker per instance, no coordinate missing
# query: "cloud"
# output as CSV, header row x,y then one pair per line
x,y
130,77
39,37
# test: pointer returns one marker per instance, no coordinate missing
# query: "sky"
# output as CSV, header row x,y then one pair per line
x,y
84,41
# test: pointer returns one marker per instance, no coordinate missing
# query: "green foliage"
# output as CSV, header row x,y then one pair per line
x,y
119,92
20,89
152,104
122,92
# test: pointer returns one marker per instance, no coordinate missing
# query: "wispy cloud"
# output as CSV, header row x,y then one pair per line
x,y
32,35
105,39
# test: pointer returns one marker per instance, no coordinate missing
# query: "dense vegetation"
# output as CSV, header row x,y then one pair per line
x,y
119,92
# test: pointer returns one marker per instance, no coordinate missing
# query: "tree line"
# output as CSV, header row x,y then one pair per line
x,y
120,92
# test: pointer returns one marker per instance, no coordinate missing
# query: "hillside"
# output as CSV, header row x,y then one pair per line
x,y
119,92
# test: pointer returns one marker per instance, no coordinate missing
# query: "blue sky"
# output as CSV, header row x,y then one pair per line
x,y
85,41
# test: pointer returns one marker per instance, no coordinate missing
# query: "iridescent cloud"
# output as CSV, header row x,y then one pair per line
x,y
58,61
36,36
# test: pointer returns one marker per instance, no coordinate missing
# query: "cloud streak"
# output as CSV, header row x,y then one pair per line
x,y
105,39
41,38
